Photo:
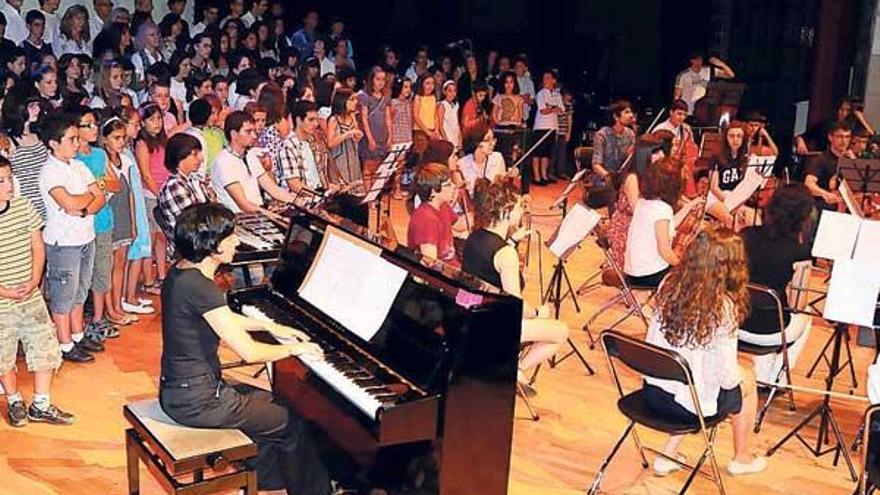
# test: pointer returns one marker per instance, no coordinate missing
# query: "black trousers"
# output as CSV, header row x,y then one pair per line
x,y
286,454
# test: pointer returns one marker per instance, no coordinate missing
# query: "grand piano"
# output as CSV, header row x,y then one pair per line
x,y
425,405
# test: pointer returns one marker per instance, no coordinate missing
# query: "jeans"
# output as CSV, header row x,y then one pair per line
x,y
286,455
68,275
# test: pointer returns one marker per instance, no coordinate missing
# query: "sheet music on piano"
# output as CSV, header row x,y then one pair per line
x,y
352,283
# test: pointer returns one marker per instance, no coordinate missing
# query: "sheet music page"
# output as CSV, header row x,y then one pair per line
x,y
351,283
577,224
849,199
836,236
744,190
852,293
764,164
868,243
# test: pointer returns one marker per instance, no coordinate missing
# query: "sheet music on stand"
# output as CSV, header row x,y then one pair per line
x,y
385,171
360,303
575,227
855,278
759,169
574,182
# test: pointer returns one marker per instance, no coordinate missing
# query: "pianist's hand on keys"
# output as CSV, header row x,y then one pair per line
x,y
286,334
305,350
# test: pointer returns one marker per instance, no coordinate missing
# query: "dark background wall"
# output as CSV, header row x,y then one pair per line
x,y
786,50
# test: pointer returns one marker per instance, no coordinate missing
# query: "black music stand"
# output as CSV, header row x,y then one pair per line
x,y
827,421
554,286
862,175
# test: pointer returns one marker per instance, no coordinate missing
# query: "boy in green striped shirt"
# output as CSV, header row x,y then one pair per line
x,y
23,314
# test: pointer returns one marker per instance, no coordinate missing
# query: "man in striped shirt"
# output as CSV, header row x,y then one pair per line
x,y
23,314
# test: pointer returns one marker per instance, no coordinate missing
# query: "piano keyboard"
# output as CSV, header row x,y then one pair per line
x,y
343,374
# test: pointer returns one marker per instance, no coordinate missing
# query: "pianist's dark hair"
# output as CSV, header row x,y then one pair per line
x,y
429,179
200,229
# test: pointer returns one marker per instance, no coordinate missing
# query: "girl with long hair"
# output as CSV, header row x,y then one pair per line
x,y
375,112
70,74
109,92
477,110
122,204
343,135
73,33
140,250
728,170
489,255
699,307
425,107
149,154
447,115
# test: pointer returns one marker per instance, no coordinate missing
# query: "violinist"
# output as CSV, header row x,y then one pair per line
x,y
820,175
489,253
481,161
433,222
649,150
649,253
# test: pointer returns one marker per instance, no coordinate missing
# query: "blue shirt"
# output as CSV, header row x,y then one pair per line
x,y
96,162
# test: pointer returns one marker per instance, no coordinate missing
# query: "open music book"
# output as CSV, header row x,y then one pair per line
x,y
385,171
352,282
575,226
844,236
855,279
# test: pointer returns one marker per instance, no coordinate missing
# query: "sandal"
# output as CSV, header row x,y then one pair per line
x,y
125,321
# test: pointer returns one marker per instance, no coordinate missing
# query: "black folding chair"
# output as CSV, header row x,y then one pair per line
x,y
651,361
626,292
767,296
869,478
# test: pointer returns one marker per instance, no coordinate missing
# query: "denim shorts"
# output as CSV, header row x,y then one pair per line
x,y
103,262
68,275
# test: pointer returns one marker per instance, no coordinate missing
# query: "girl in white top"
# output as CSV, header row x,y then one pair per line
x,y
699,307
649,253
481,160
447,115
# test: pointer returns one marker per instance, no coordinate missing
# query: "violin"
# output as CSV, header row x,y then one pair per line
x,y
689,227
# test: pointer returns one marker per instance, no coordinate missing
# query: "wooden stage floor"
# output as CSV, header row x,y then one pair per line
x,y
558,455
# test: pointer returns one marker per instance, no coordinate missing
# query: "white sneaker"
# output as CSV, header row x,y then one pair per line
x,y
137,308
145,302
664,467
757,465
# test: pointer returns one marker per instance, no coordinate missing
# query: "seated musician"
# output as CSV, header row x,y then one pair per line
x,y
820,174
238,180
613,143
678,113
649,252
760,141
481,161
699,306
649,150
299,169
489,253
432,223
185,186
772,250
728,169
195,319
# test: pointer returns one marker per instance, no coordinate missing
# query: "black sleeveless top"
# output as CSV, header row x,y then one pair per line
x,y
731,171
478,258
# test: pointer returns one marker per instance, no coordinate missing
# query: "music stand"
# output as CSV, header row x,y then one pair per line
x,y
862,175
563,249
381,180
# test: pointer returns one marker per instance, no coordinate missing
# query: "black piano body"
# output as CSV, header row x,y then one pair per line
x,y
447,352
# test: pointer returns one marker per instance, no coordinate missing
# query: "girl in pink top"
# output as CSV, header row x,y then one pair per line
x,y
149,153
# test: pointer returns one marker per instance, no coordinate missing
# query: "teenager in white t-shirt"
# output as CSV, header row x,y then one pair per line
x,y
72,197
649,252
236,180
691,83
549,106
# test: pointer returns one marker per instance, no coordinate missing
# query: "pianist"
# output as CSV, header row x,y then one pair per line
x,y
195,319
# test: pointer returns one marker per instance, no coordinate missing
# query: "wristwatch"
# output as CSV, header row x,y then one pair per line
x,y
102,184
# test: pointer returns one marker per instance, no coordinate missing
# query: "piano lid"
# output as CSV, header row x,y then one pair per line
x,y
430,316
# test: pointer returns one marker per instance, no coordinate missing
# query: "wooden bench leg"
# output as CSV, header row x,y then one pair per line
x,y
133,462
251,482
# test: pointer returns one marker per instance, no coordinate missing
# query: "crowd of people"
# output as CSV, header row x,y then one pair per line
x,y
118,126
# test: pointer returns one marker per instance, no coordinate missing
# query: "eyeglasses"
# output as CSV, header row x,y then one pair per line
x,y
88,125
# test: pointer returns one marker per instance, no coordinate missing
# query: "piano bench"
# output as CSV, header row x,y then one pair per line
x,y
178,456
